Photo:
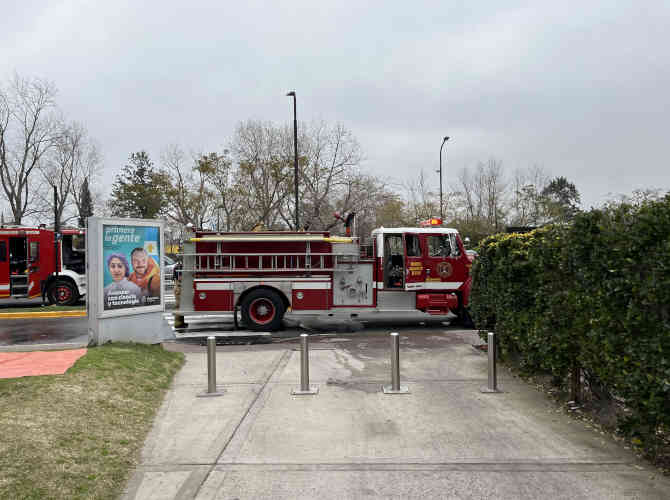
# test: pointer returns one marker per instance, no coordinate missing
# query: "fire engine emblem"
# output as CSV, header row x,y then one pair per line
x,y
444,269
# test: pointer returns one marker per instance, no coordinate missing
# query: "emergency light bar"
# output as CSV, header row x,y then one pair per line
x,y
433,221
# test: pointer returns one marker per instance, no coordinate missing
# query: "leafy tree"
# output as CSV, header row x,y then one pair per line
x,y
86,203
138,189
561,200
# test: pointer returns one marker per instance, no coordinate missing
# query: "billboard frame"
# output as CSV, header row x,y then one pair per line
x,y
95,266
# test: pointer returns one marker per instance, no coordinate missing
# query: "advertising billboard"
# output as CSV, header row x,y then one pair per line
x,y
131,257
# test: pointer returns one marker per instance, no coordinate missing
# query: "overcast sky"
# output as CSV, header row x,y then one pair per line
x,y
581,88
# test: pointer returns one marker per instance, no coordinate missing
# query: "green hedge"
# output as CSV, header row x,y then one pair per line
x,y
595,292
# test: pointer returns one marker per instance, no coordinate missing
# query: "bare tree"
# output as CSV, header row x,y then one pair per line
x,y
422,202
331,156
88,169
526,197
27,131
480,200
265,172
483,193
188,195
222,177
363,195
72,159
492,179
636,197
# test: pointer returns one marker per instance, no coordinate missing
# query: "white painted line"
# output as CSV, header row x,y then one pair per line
x,y
270,280
213,286
310,286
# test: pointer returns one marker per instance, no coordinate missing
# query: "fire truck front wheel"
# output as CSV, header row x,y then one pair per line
x,y
262,310
62,293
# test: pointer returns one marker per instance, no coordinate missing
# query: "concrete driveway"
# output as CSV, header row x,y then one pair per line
x,y
443,440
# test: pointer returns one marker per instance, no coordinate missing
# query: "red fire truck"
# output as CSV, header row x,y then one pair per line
x,y
35,263
406,273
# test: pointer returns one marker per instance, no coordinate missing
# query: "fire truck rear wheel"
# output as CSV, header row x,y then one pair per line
x,y
62,293
262,310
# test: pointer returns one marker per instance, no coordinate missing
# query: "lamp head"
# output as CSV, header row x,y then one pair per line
x,y
446,138
292,93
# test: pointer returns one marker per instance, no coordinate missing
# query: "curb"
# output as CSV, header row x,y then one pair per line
x,y
60,346
37,314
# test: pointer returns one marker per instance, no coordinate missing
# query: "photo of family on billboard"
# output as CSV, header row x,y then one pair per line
x,y
132,274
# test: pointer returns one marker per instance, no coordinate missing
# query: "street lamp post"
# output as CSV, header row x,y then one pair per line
x,y
446,138
295,152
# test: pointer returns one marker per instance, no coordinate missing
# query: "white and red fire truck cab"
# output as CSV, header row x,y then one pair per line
x,y
34,263
407,273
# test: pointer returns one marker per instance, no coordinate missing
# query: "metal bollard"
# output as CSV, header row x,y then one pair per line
x,y
305,388
211,370
395,387
493,376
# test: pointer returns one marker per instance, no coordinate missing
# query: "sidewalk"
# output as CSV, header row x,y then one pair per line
x,y
443,440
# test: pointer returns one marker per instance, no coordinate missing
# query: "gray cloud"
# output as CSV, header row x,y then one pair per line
x,y
578,87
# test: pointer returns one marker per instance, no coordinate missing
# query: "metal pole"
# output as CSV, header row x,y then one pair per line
x,y
493,377
211,369
295,166
304,362
295,155
395,387
211,364
305,388
395,362
441,203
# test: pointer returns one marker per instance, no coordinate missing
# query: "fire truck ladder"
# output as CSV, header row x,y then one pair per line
x,y
266,262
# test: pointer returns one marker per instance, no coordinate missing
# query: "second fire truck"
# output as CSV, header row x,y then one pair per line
x,y
34,262
407,273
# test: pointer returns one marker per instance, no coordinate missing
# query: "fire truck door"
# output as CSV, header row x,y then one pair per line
x,y
444,267
415,272
33,265
17,256
4,269
393,262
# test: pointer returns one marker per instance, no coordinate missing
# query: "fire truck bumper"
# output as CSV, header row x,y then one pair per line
x,y
436,303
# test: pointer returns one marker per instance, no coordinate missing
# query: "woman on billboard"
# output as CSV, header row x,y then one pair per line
x,y
120,292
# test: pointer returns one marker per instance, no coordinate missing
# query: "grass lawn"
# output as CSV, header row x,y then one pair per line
x,y
79,435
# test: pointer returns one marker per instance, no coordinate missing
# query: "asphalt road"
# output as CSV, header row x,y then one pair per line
x,y
43,331
30,331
